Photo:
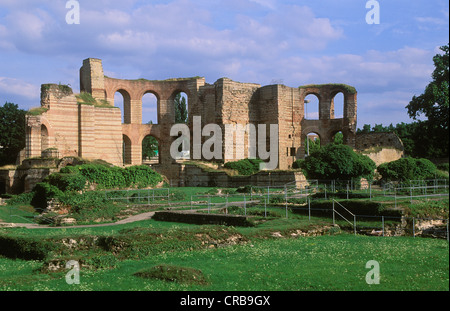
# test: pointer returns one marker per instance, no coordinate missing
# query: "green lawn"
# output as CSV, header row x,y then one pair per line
x,y
329,262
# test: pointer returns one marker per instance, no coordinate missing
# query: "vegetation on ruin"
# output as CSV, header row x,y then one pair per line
x,y
348,88
85,98
245,166
36,111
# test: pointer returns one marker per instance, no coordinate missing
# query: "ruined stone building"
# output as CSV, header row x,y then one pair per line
x,y
67,126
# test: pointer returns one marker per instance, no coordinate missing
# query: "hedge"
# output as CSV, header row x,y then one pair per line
x,y
407,169
244,167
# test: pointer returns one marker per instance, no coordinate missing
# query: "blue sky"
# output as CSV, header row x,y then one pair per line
x,y
257,41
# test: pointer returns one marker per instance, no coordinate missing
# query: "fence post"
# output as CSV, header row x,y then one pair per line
x,y
245,207
226,206
410,192
447,232
309,208
395,198
265,208
333,214
285,199
209,203
354,223
382,223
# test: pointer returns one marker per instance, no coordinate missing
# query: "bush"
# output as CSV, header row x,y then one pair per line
x,y
141,176
338,162
21,199
109,177
44,192
407,169
67,181
245,166
443,167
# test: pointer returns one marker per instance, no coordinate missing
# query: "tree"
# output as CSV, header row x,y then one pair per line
x,y
181,114
434,105
405,169
12,129
338,162
150,146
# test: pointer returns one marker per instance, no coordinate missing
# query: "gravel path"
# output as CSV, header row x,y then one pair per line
x,y
127,220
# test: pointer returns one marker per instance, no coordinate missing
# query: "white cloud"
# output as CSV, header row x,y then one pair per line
x,y
18,87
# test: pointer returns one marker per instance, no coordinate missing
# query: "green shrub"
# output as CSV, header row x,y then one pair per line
x,y
21,199
338,162
44,192
67,181
245,166
298,163
141,176
109,177
407,169
89,200
443,167
25,248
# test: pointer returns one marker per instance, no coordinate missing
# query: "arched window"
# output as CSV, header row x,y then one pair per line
x,y
337,106
150,109
123,101
181,107
311,107
44,138
312,143
150,150
126,150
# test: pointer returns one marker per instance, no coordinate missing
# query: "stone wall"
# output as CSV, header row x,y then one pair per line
x,y
195,176
380,147
199,218
94,131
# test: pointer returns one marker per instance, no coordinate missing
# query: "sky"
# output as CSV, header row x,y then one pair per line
x,y
256,41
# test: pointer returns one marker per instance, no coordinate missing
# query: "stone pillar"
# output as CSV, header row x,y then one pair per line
x,y
92,79
33,137
86,131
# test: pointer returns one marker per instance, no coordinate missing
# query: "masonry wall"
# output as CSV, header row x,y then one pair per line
x,y
74,129
96,131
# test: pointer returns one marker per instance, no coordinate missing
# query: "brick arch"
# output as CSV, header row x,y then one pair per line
x,y
158,139
158,103
333,104
126,103
319,98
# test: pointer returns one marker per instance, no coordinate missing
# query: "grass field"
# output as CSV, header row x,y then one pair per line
x,y
271,256
261,262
